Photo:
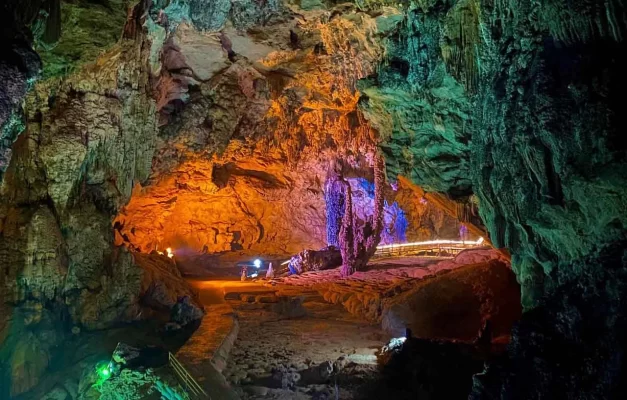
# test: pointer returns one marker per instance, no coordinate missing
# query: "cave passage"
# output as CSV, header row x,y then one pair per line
x,y
312,199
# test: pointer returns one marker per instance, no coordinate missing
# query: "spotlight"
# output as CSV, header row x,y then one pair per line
x,y
104,371
257,263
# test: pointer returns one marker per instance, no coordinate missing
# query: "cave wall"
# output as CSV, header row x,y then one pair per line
x,y
552,110
19,65
510,103
249,200
114,112
85,140
518,103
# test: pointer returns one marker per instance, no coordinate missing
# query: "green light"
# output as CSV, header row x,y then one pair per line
x,y
104,372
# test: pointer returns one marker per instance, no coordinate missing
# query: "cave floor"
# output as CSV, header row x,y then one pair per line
x,y
314,335
289,352
292,336
290,341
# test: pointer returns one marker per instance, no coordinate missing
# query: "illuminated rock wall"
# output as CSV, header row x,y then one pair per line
x,y
518,103
250,203
253,202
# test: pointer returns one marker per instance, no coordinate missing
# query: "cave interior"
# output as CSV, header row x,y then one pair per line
x,y
313,199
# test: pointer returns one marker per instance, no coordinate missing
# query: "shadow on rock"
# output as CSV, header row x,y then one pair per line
x,y
427,370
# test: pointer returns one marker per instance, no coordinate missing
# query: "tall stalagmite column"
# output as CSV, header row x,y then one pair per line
x,y
359,245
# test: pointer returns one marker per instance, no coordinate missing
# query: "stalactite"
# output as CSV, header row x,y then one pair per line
x,y
379,202
460,43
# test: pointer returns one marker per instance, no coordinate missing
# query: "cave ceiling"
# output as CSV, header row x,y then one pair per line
x,y
162,87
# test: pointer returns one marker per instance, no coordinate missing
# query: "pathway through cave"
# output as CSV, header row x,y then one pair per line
x,y
316,336
293,344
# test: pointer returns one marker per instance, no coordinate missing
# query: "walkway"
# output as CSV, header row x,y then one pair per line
x,y
205,354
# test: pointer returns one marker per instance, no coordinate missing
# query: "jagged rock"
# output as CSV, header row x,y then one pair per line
x,y
124,354
18,64
185,311
199,52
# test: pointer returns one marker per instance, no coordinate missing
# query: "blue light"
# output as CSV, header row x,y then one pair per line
x,y
257,263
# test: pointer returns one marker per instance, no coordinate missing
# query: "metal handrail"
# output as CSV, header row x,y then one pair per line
x,y
186,378
421,248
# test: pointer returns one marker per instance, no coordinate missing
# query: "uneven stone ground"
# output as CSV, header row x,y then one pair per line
x,y
281,356
316,336
365,293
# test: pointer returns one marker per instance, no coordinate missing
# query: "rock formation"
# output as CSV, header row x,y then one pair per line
x,y
518,104
209,125
359,243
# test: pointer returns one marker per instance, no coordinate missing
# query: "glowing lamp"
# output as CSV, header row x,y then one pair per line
x,y
104,371
257,263
170,253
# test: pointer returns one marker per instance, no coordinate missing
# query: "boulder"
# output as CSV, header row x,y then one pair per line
x,y
316,260
186,311
129,357
458,305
